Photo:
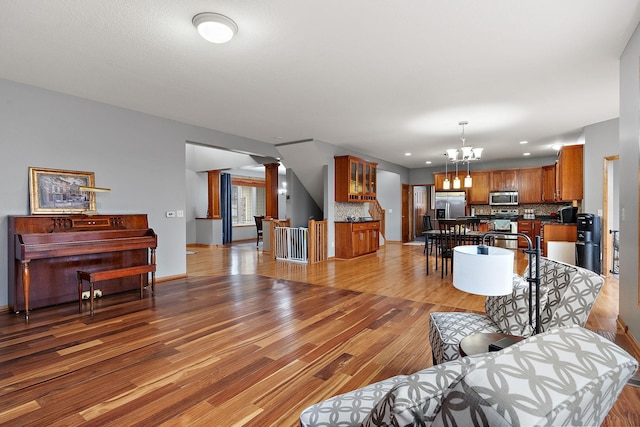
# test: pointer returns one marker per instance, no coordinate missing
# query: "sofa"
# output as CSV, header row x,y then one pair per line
x,y
566,376
567,295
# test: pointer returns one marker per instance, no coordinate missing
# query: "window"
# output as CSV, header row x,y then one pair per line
x,y
247,200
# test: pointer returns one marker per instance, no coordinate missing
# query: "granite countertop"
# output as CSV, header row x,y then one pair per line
x,y
357,221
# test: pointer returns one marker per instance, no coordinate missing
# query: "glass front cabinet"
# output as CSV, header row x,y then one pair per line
x,y
355,179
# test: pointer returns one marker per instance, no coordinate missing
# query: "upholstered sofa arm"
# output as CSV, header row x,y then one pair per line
x,y
414,400
567,376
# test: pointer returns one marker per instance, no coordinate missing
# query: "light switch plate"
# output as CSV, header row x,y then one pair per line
x,y
171,214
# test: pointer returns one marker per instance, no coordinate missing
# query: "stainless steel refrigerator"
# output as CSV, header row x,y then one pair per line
x,y
450,204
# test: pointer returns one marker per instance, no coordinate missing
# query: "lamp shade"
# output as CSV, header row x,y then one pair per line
x,y
483,274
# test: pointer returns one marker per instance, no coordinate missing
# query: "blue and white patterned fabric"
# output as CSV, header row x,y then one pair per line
x,y
570,294
567,376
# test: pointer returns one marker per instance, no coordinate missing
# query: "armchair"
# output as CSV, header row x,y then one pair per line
x,y
538,381
567,295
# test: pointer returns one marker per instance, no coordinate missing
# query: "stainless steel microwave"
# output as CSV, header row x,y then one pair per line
x,y
503,198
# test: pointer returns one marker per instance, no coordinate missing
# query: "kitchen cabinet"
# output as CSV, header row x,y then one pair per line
x,y
357,238
557,232
530,227
569,173
478,194
504,180
438,179
530,185
549,183
355,179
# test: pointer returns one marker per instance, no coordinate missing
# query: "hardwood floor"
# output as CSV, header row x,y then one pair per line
x,y
244,340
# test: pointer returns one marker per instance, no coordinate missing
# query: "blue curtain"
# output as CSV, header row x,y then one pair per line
x,y
225,195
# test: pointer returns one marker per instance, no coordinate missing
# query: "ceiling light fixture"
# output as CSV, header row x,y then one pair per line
x,y
214,27
467,154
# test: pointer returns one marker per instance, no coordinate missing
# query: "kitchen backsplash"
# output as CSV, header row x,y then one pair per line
x,y
345,209
540,209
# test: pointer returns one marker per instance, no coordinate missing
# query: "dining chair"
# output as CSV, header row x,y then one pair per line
x,y
452,234
473,224
427,226
258,219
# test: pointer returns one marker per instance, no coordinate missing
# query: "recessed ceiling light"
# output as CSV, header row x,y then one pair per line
x,y
428,162
526,154
214,27
524,142
407,154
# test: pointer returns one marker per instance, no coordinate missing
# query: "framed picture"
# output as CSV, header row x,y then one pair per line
x,y
54,191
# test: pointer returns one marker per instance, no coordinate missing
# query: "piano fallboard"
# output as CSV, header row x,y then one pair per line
x,y
55,247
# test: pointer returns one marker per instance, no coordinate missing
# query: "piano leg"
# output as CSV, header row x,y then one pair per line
x,y
79,294
153,272
26,287
91,298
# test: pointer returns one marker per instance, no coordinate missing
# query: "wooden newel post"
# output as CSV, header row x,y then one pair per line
x,y
271,189
213,207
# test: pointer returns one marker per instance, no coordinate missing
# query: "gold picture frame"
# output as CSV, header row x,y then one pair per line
x,y
57,191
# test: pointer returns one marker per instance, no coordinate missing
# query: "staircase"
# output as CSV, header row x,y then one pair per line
x,y
377,213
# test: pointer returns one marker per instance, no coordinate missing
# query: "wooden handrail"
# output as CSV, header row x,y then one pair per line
x,y
378,213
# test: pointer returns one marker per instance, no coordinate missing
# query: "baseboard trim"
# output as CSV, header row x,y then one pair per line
x,y
625,330
170,278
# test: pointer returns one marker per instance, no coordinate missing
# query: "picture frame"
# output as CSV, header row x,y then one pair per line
x,y
57,191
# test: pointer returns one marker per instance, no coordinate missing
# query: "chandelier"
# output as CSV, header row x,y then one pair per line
x,y
467,154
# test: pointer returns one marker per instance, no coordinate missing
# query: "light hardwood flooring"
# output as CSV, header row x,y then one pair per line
x,y
244,340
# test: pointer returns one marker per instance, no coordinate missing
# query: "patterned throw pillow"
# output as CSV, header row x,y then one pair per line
x,y
511,312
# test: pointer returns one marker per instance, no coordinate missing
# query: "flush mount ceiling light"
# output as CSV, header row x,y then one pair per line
x,y
214,27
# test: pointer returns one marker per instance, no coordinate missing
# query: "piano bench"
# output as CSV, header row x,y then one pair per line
x,y
97,276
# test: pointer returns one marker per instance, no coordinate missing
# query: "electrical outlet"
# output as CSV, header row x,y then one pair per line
x,y
180,213
171,214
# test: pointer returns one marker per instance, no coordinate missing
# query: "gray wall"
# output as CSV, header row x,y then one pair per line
x,y
389,194
628,163
601,140
300,205
140,157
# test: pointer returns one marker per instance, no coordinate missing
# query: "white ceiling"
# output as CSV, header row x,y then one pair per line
x,y
376,76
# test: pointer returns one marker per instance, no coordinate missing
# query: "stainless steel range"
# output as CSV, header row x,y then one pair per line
x,y
505,220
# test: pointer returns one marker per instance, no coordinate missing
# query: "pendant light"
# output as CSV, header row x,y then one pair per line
x,y
467,179
456,180
467,155
446,185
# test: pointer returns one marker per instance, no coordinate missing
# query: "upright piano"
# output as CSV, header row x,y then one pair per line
x,y
46,251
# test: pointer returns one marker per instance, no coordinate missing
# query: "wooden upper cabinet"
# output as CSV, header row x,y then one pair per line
x,y
503,180
549,183
355,179
478,194
530,185
569,173
438,179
